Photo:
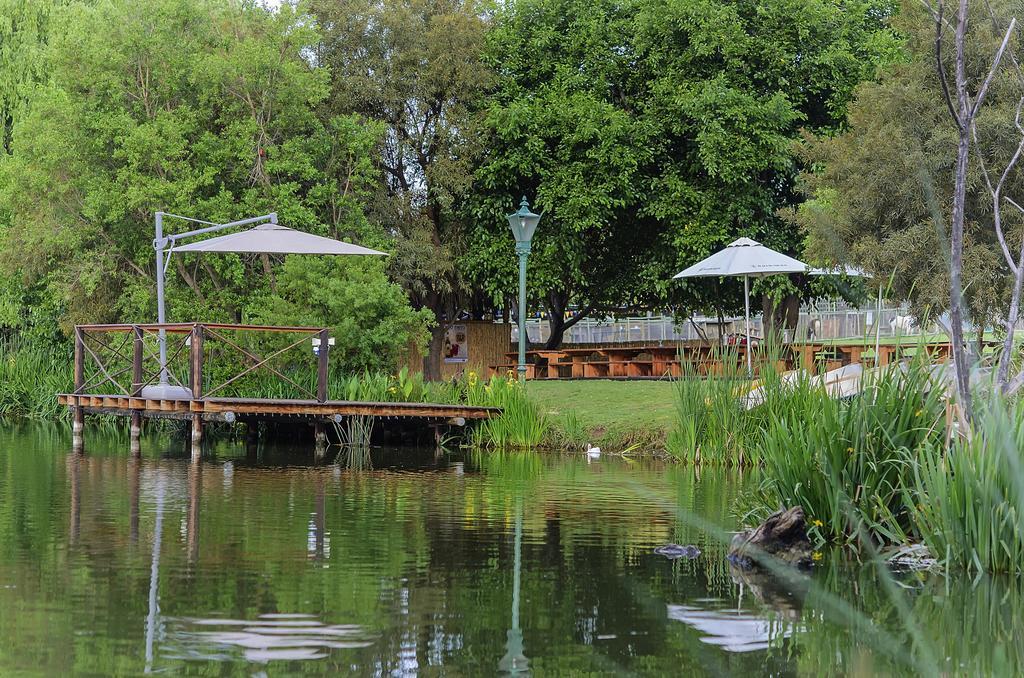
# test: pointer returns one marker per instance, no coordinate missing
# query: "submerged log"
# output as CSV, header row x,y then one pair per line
x,y
783,535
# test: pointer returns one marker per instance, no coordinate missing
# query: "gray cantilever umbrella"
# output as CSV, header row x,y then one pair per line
x,y
276,239
267,238
747,258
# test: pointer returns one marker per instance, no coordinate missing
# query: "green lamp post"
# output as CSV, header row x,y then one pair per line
x,y
523,223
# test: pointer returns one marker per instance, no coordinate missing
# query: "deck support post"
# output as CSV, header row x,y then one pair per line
x,y
77,429
77,413
135,434
197,436
323,357
320,437
135,427
196,363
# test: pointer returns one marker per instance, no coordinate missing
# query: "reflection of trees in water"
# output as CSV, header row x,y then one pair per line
x,y
964,626
423,561
354,457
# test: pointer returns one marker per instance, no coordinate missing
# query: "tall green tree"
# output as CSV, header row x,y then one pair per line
x,y
207,108
415,66
656,132
24,32
881,192
565,129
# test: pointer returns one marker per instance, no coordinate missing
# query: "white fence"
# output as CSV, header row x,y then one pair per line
x,y
819,323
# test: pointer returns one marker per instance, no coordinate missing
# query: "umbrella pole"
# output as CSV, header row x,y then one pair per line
x,y
746,305
161,314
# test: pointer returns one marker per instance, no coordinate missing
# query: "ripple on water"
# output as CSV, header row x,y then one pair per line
x,y
269,637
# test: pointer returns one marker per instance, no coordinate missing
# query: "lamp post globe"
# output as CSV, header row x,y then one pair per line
x,y
523,223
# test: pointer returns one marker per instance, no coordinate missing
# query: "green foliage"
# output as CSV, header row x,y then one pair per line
x,y
880,192
30,379
713,426
849,463
569,432
968,502
209,108
371,320
414,66
652,132
522,423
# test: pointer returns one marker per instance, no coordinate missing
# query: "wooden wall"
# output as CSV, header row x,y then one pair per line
x,y
488,342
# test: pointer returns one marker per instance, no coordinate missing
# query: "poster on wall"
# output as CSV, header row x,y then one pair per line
x,y
456,347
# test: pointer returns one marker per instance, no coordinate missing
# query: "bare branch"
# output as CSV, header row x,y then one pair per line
x,y
1014,384
992,71
997,190
937,14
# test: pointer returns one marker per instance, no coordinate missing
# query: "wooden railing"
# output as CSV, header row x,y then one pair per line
x,y
125,365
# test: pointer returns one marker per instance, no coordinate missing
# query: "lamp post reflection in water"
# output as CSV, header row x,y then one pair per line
x,y
515,661
154,575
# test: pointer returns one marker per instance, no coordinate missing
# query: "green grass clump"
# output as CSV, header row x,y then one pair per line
x,y
522,423
849,462
967,502
31,378
713,426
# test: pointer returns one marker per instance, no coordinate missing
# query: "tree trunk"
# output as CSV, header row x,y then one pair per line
x,y
556,323
779,317
556,303
956,240
432,360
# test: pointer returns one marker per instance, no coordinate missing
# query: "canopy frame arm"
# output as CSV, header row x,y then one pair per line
x,y
163,245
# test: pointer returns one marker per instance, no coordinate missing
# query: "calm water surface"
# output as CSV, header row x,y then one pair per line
x,y
413,563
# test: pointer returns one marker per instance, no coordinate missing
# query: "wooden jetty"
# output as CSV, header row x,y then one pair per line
x,y
118,368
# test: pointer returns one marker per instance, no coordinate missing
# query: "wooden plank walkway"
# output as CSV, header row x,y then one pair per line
x,y
227,409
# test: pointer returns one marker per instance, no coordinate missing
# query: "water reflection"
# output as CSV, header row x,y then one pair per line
x,y
270,637
732,630
462,565
515,660
154,575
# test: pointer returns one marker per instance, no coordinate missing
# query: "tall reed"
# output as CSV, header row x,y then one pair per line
x,y
848,462
716,420
522,424
967,502
30,379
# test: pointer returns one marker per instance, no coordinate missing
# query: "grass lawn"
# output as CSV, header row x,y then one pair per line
x,y
615,413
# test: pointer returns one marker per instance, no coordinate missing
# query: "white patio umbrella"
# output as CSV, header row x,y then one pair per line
x,y
747,258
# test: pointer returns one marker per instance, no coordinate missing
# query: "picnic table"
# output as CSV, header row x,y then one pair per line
x,y
621,362
657,361
836,353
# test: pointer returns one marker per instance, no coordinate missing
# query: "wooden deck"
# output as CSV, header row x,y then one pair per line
x,y
230,409
204,372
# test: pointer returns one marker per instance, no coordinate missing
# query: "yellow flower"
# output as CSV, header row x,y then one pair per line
x,y
816,556
817,523
849,450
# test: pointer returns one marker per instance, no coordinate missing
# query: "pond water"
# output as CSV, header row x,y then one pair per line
x,y
417,563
